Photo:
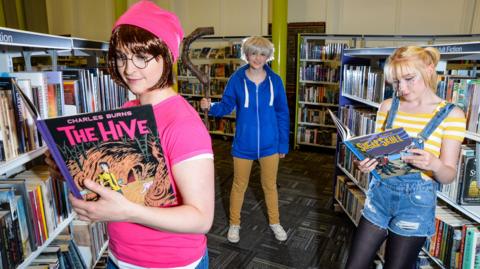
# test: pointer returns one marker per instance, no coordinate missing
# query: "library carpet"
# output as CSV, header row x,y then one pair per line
x,y
318,237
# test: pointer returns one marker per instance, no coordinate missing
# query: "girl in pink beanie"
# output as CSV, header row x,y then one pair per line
x,y
167,229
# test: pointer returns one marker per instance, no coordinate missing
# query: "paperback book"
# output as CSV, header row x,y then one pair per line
x,y
117,148
387,147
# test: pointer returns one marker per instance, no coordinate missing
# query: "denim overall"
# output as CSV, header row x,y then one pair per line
x,y
405,204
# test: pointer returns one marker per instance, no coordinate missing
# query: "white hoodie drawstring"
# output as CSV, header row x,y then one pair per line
x,y
246,93
247,97
271,91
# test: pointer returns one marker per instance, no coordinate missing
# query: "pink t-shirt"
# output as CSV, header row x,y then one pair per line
x,y
182,136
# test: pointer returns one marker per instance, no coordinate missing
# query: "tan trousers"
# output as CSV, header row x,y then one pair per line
x,y
241,176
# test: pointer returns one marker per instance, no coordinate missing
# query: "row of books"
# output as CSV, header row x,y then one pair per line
x,y
455,242
62,253
91,238
223,125
360,120
345,160
215,70
232,51
366,83
306,114
37,205
319,72
465,93
318,94
196,88
312,49
54,93
316,136
465,189
350,196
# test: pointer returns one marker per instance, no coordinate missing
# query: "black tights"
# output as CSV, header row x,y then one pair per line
x,y
401,251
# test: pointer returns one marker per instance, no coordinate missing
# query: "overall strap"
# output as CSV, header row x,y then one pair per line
x,y
392,113
435,121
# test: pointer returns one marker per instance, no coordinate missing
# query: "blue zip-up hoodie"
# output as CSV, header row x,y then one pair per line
x,y
262,124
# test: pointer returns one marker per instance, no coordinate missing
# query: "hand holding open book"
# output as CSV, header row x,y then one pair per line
x,y
386,148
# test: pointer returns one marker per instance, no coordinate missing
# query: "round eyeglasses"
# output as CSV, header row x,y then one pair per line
x,y
138,60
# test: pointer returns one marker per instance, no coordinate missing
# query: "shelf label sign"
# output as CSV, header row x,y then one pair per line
x,y
450,49
6,38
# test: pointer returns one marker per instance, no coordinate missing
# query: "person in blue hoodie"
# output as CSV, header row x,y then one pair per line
x,y
258,96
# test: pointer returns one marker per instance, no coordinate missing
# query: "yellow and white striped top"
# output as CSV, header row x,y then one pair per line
x,y
450,128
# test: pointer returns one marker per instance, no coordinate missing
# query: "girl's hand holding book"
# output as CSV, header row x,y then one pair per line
x,y
110,206
367,165
421,159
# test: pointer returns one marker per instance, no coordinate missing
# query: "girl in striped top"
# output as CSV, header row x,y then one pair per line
x,y
401,209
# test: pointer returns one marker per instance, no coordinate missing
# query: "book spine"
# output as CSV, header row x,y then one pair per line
x,y
3,242
468,254
47,137
40,216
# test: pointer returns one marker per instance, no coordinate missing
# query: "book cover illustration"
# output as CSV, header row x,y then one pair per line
x,y
387,147
470,185
117,148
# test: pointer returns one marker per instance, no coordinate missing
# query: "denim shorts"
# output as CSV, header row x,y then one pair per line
x,y
405,205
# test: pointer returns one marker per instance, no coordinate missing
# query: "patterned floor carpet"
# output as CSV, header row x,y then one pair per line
x,y
317,236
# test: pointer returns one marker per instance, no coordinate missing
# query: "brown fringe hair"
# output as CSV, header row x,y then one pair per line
x,y
139,41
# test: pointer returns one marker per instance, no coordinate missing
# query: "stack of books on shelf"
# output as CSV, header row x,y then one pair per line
x,y
318,76
318,94
91,239
319,73
36,206
62,253
231,51
350,197
455,241
465,190
366,83
465,93
54,93
315,49
222,126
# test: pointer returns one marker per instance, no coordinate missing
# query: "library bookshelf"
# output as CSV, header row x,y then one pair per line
x,y
21,51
